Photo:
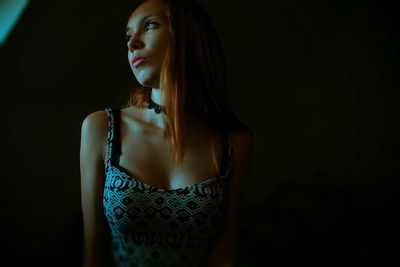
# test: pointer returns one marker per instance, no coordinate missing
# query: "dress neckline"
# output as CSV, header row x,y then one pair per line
x,y
129,176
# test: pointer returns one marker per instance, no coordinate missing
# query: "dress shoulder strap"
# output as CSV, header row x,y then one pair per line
x,y
227,155
113,136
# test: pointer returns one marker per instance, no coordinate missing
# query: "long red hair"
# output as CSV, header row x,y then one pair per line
x,y
192,79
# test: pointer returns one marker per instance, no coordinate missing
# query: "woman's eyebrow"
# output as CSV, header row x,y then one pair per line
x,y
142,19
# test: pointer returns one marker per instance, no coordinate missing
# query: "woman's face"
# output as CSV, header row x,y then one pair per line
x,y
148,38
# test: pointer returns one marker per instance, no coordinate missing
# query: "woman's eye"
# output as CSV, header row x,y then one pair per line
x,y
148,25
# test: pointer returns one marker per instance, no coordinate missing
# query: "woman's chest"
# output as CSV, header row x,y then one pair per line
x,y
150,160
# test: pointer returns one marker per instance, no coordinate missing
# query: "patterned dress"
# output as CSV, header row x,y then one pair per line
x,y
152,226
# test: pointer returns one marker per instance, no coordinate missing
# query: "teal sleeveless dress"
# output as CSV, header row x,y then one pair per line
x,y
152,226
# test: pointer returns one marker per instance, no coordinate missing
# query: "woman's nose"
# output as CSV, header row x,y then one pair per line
x,y
134,43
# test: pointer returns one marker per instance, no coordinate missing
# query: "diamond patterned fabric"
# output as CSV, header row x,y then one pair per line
x,y
160,227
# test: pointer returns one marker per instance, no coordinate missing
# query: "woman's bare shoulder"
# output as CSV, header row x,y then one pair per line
x,y
243,146
94,133
95,123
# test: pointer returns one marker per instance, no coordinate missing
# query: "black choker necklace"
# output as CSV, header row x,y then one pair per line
x,y
157,108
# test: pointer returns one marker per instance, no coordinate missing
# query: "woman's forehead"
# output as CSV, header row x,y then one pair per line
x,y
148,8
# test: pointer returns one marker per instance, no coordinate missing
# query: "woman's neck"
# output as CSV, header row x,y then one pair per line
x,y
158,119
157,96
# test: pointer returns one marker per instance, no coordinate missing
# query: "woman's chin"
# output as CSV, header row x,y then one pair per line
x,y
148,83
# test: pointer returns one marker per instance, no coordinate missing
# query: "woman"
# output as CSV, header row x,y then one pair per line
x,y
162,178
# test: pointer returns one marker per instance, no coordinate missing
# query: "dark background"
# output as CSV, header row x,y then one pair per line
x,y
316,81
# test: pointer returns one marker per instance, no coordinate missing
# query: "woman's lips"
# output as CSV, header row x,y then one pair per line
x,y
138,62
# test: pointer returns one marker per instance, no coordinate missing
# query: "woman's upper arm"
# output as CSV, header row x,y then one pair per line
x,y
243,143
92,147
224,253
